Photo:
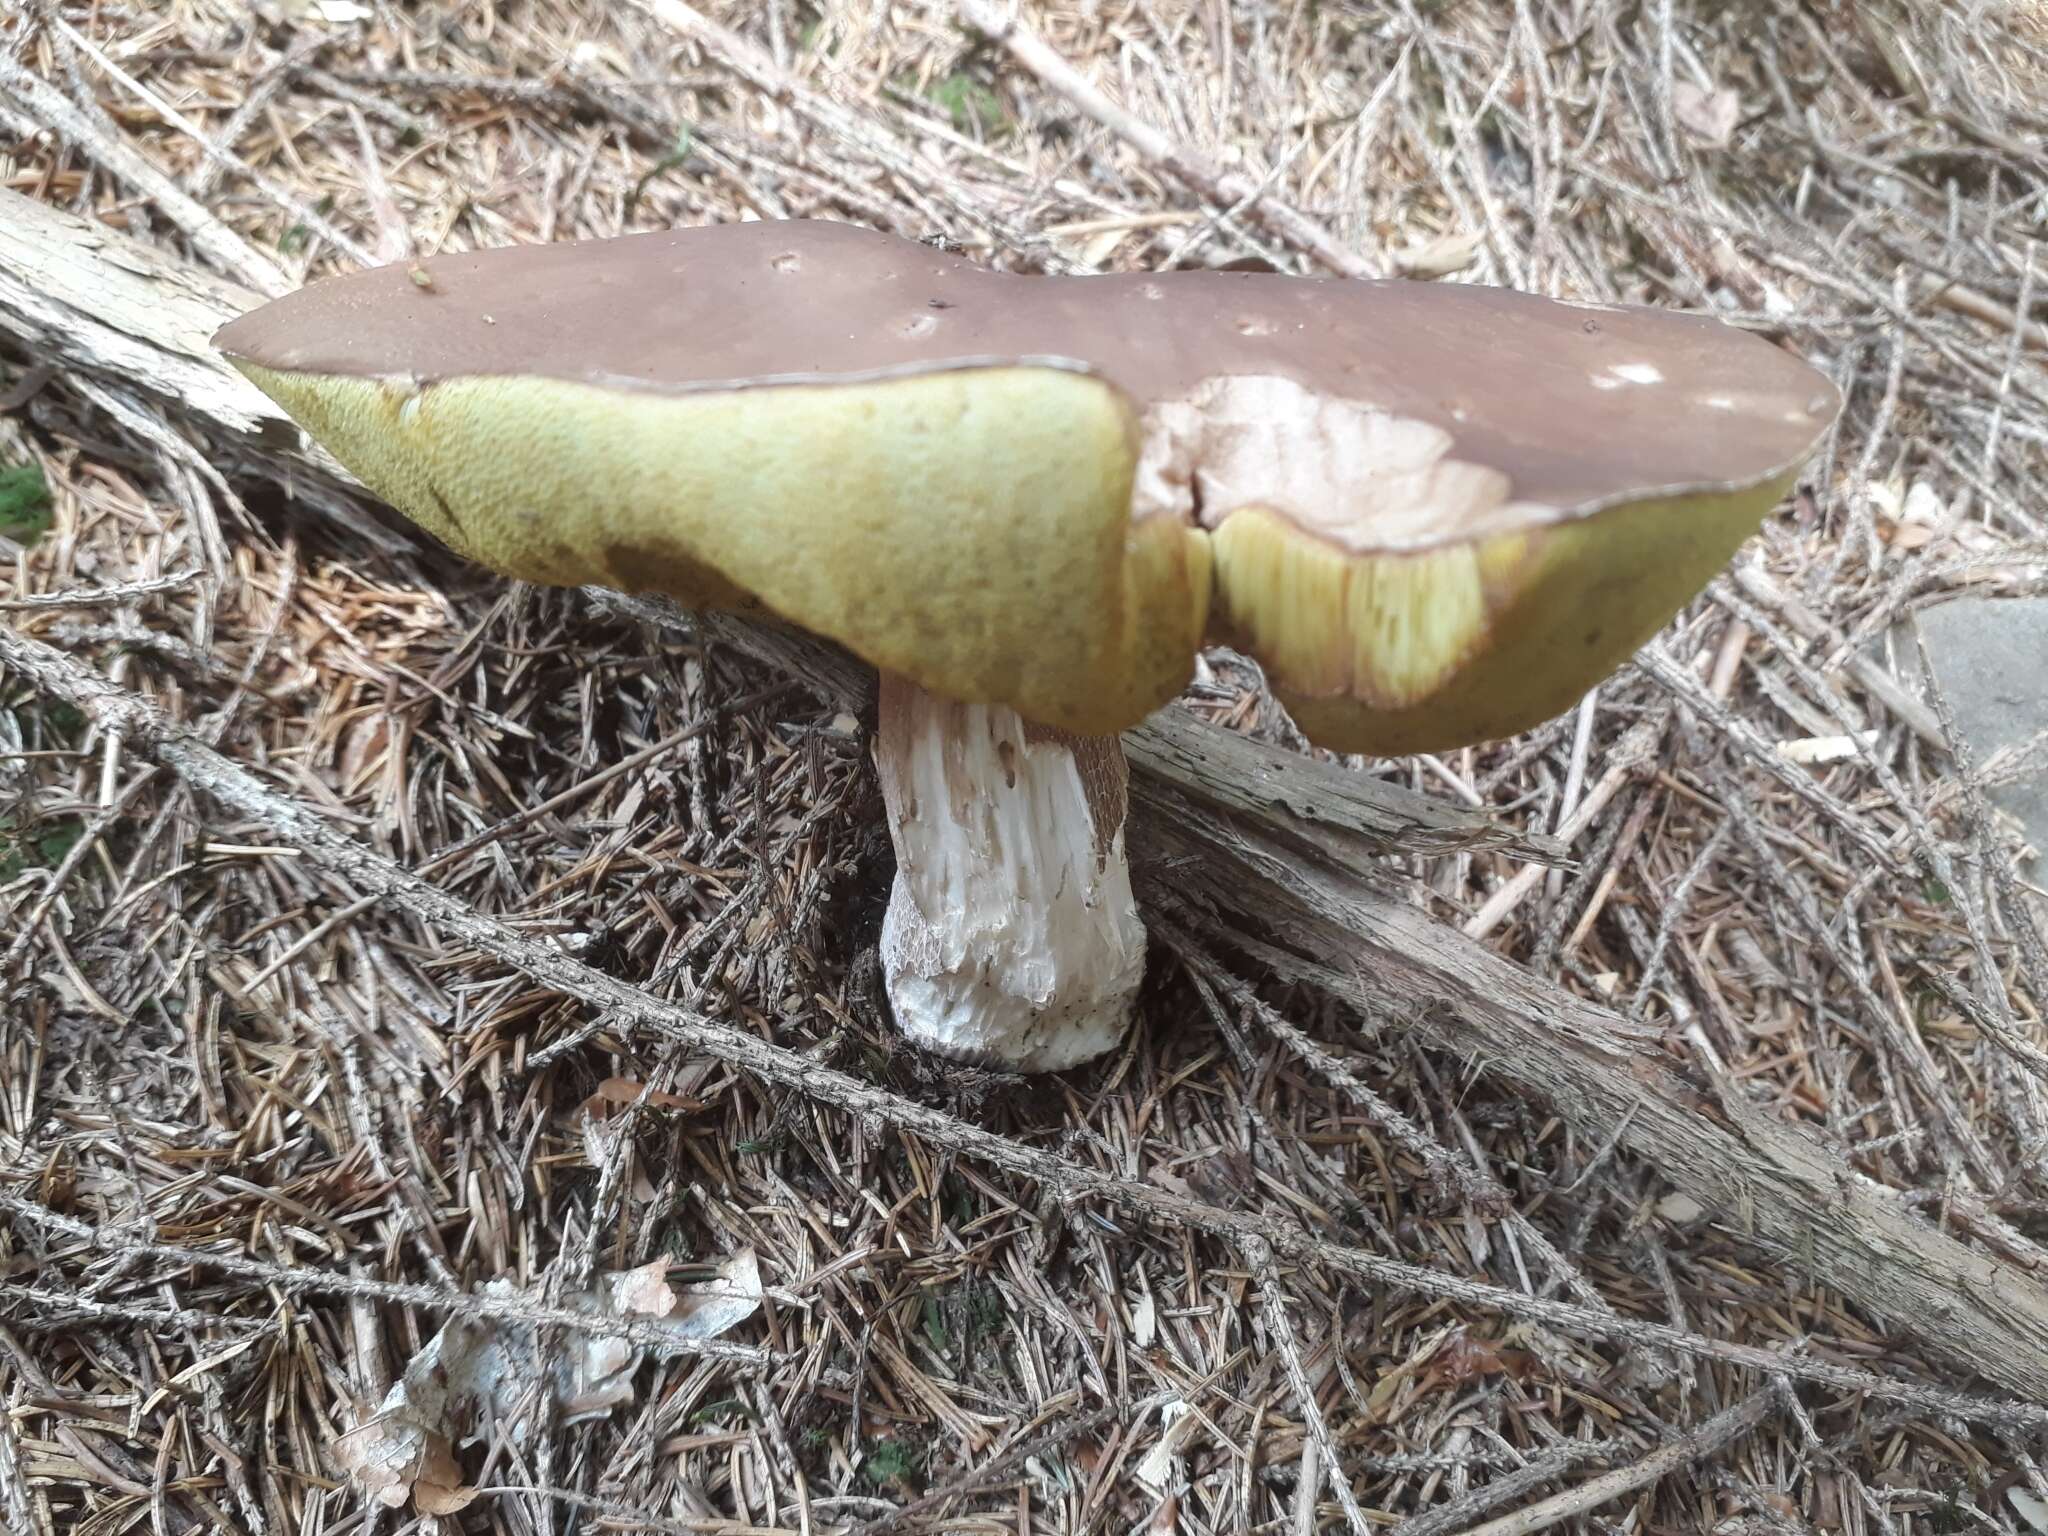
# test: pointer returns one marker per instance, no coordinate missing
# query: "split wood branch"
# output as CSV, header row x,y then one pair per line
x,y
1347,815
98,305
1760,1178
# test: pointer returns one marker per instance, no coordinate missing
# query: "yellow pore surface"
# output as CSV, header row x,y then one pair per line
x,y
1420,652
971,530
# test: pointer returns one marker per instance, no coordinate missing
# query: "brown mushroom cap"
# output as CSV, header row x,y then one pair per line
x,y
1019,490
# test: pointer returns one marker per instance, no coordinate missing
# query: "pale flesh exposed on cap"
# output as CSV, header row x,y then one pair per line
x,y
1434,514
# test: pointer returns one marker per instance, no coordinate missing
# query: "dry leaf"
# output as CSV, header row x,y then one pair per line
x,y
385,1455
1384,1392
1912,521
596,1110
722,1303
617,1091
1886,498
1464,1359
1438,257
1924,506
1709,116
406,1447
643,1292
439,1489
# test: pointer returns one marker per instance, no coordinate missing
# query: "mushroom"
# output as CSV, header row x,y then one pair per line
x,y
1435,515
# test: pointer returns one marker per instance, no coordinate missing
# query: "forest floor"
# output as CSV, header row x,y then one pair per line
x,y
403,966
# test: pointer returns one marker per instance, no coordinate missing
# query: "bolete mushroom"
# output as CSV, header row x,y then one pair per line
x,y
1435,514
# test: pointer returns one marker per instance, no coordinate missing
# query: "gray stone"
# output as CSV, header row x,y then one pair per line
x,y
1991,656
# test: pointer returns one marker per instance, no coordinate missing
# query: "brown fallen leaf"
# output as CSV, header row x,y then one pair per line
x,y
615,1092
386,1456
1464,1358
439,1489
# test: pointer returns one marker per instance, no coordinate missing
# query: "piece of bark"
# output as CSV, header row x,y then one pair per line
x,y
1282,845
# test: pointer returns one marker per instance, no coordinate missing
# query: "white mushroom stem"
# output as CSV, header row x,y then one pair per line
x,y
1012,938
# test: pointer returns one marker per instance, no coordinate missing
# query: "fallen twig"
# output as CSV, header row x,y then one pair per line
x,y
1696,1444
1276,1305
105,597
1225,188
